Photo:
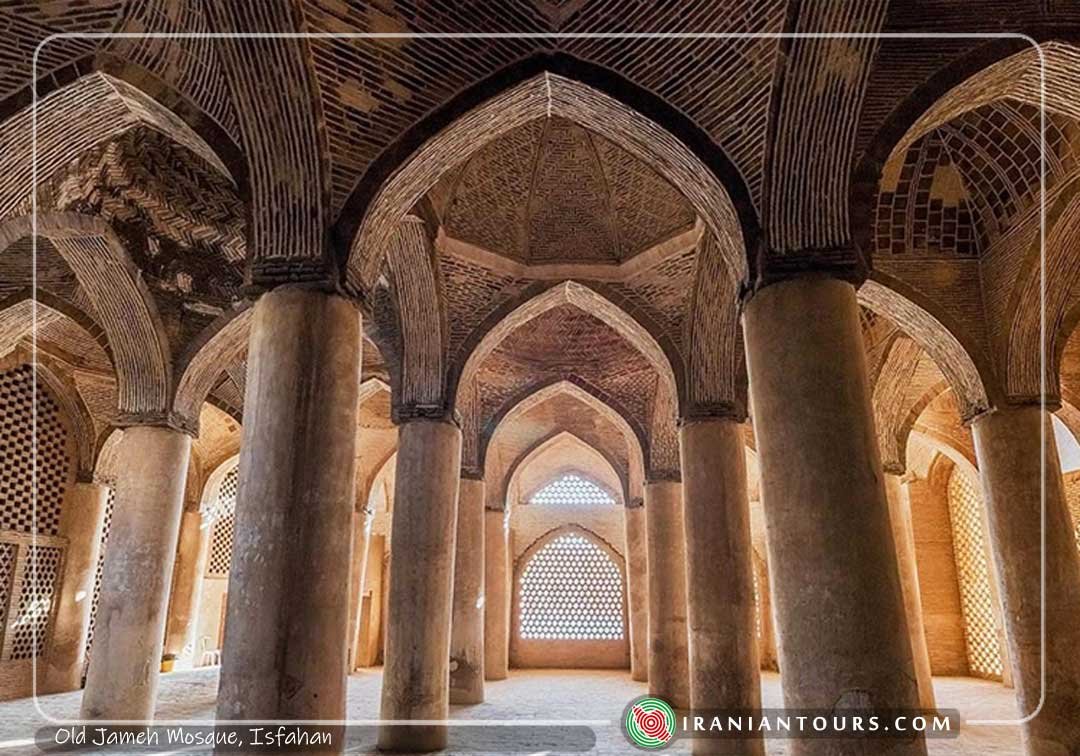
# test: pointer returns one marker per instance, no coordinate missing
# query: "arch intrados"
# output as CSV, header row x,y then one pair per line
x,y
201,123
144,370
546,85
926,108
587,300
635,442
551,445
962,365
44,300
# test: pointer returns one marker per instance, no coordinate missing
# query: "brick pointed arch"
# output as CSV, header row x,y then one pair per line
x,y
221,344
588,300
551,85
207,126
74,119
129,316
951,87
556,442
632,432
963,363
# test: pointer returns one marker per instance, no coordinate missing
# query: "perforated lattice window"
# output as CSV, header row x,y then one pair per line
x,y
31,624
110,504
571,590
7,569
221,538
973,573
572,489
17,452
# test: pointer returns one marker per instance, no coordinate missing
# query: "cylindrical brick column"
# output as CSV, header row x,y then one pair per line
x,y
669,664
416,674
130,629
900,517
81,520
724,663
467,625
637,589
188,573
496,595
1008,444
287,617
842,630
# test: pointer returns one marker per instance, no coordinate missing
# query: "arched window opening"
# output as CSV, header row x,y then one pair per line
x,y
571,590
572,489
223,513
973,575
37,450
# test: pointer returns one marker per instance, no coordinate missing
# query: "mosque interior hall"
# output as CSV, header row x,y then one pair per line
x,y
447,365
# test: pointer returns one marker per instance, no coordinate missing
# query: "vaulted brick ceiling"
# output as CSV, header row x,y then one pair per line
x,y
561,343
551,191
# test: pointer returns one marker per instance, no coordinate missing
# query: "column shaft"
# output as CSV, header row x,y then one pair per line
x,y
1007,444
724,660
637,589
286,623
81,521
497,596
669,664
416,674
467,627
842,634
357,578
130,628
900,517
186,587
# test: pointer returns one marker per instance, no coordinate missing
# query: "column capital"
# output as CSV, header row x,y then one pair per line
x,y
472,473
159,419
1048,404
437,413
893,467
268,273
663,476
768,267
713,412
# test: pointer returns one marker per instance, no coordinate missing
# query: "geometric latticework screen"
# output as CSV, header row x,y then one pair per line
x,y
572,489
973,575
221,538
17,452
7,570
571,590
31,624
110,504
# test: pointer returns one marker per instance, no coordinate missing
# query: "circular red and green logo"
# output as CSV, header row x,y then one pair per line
x,y
649,723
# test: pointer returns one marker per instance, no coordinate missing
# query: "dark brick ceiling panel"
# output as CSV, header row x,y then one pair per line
x,y
375,89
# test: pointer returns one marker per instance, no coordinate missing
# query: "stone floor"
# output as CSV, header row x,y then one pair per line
x,y
528,695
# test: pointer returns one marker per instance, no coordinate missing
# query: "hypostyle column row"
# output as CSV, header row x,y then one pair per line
x,y
122,680
724,663
637,590
496,595
1038,571
842,631
286,624
416,674
669,663
467,624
